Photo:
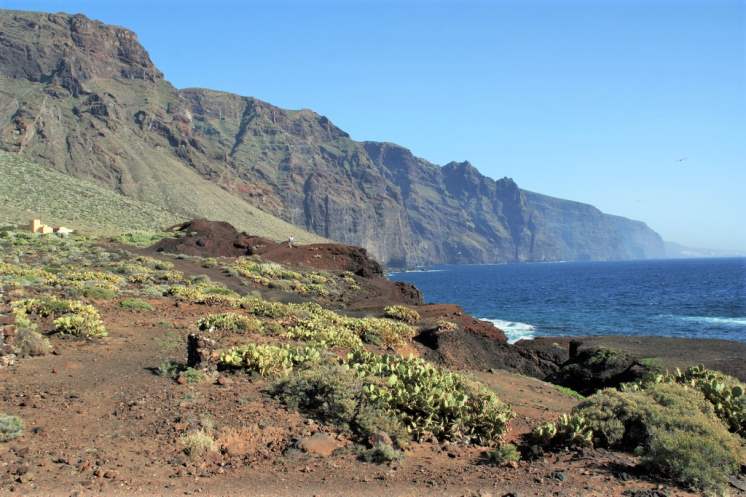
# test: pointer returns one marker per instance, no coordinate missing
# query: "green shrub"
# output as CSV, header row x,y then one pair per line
x,y
503,454
99,293
324,333
191,375
154,263
262,308
170,369
10,427
334,394
75,318
431,400
402,313
726,394
568,431
569,392
133,304
327,328
672,427
381,453
382,331
85,323
205,294
198,443
29,342
268,360
331,394
230,321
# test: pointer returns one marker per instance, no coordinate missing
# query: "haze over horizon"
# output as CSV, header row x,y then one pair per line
x,y
636,108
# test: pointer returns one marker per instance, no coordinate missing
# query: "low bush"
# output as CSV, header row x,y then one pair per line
x,y
402,313
191,376
268,360
84,323
133,304
381,453
205,294
72,317
331,394
428,399
230,321
29,342
141,239
568,431
170,369
98,292
334,394
674,429
153,263
325,333
10,427
263,308
382,331
198,443
503,454
570,392
726,394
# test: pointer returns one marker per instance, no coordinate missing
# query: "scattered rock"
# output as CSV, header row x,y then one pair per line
x,y
592,369
739,482
381,438
650,492
557,475
319,444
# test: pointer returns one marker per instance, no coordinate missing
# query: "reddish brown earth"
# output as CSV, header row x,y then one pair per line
x,y
205,238
100,422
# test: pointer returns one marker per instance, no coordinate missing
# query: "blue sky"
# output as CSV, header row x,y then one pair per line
x,y
593,101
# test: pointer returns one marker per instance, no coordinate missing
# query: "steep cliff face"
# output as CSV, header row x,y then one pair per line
x,y
85,98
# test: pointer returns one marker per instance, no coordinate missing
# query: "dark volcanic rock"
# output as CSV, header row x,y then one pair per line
x,y
91,104
593,369
478,345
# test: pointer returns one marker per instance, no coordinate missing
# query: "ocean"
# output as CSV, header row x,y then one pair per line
x,y
693,298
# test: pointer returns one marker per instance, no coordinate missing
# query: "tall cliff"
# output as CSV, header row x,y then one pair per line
x,y
85,98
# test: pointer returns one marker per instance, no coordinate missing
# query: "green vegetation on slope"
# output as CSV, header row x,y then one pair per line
x,y
30,190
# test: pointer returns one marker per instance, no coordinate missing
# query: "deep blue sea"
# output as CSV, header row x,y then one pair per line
x,y
696,298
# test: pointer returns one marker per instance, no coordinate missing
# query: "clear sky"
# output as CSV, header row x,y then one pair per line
x,y
637,107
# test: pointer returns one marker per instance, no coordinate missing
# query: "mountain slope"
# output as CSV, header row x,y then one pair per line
x,y
29,190
85,98
72,93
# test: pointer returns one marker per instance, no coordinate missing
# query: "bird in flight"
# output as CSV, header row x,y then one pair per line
x,y
682,159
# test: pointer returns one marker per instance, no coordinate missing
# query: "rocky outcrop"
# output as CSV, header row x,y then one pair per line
x,y
87,100
205,238
65,51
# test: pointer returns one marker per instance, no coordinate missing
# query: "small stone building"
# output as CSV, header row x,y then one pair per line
x,y
38,227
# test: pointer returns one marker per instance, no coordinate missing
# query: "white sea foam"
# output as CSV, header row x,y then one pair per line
x,y
723,321
515,330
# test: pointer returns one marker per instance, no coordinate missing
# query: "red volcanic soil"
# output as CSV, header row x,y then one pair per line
x,y
204,238
100,422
